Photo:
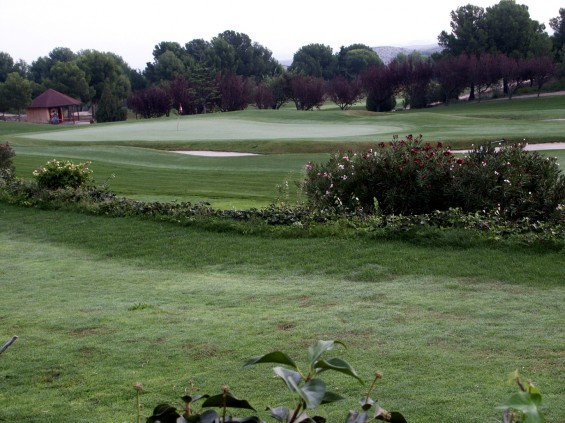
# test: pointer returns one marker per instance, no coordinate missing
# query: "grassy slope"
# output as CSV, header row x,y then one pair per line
x,y
100,304
127,150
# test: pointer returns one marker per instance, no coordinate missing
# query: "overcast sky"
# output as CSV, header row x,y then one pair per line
x,y
32,28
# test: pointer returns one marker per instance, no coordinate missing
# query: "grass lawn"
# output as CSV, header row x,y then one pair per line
x,y
100,304
136,152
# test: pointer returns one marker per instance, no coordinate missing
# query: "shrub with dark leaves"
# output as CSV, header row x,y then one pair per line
x,y
6,165
515,182
409,176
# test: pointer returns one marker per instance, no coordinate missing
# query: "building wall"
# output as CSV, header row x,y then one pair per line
x,y
38,115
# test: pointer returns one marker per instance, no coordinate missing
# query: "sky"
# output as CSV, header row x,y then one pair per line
x,y
31,29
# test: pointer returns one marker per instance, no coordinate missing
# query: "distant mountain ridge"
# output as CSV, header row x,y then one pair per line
x,y
387,53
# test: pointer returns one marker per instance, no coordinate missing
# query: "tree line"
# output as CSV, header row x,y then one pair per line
x,y
499,47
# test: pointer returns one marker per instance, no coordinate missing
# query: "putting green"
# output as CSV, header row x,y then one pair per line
x,y
203,129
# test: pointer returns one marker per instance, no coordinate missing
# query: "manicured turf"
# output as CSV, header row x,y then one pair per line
x,y
287,140
100,304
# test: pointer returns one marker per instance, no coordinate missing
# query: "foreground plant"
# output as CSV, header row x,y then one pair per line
x,y
307,386
523,407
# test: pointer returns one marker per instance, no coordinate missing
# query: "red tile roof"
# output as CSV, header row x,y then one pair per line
x,y
52,98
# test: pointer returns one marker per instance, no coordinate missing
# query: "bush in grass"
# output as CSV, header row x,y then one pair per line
x,y
410,176
516,182
404,176
62,174
6,164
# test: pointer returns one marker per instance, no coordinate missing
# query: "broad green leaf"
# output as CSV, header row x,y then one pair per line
x,y
338,365
318,348
527,404
276,357
227,400
290,377
313,392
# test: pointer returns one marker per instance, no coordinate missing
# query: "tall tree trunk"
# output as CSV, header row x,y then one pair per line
x,y
472,93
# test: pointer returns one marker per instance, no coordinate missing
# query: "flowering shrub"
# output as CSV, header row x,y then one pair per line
x,y
6,164
65,174
409,176
515,182
403,176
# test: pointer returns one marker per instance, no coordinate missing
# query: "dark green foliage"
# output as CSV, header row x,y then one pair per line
x,y
110,108
404,176
412,177
515,182
6,165
150,102
305,385
374,105
316,60
298,221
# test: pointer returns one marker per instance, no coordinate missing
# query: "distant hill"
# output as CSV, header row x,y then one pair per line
x,y
387,53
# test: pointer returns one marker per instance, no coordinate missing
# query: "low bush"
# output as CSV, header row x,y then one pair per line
x,y
6,163
410,176
62,174
516,182
337,219
306,385
310,391
403,176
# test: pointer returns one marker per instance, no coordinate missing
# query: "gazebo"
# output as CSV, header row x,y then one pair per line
x,y
53,107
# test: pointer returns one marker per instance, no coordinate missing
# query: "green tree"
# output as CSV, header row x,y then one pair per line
x,y
22,68
355,59
110,107
40,69
251,58
557,24
197,49
314,60
169,60
16,92
468,32
105,70
69,79
62,54
168,66
6,65
4,103
222,56
204,91
510,30
171,46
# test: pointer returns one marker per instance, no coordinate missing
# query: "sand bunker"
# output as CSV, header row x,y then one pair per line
x,y
214,153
